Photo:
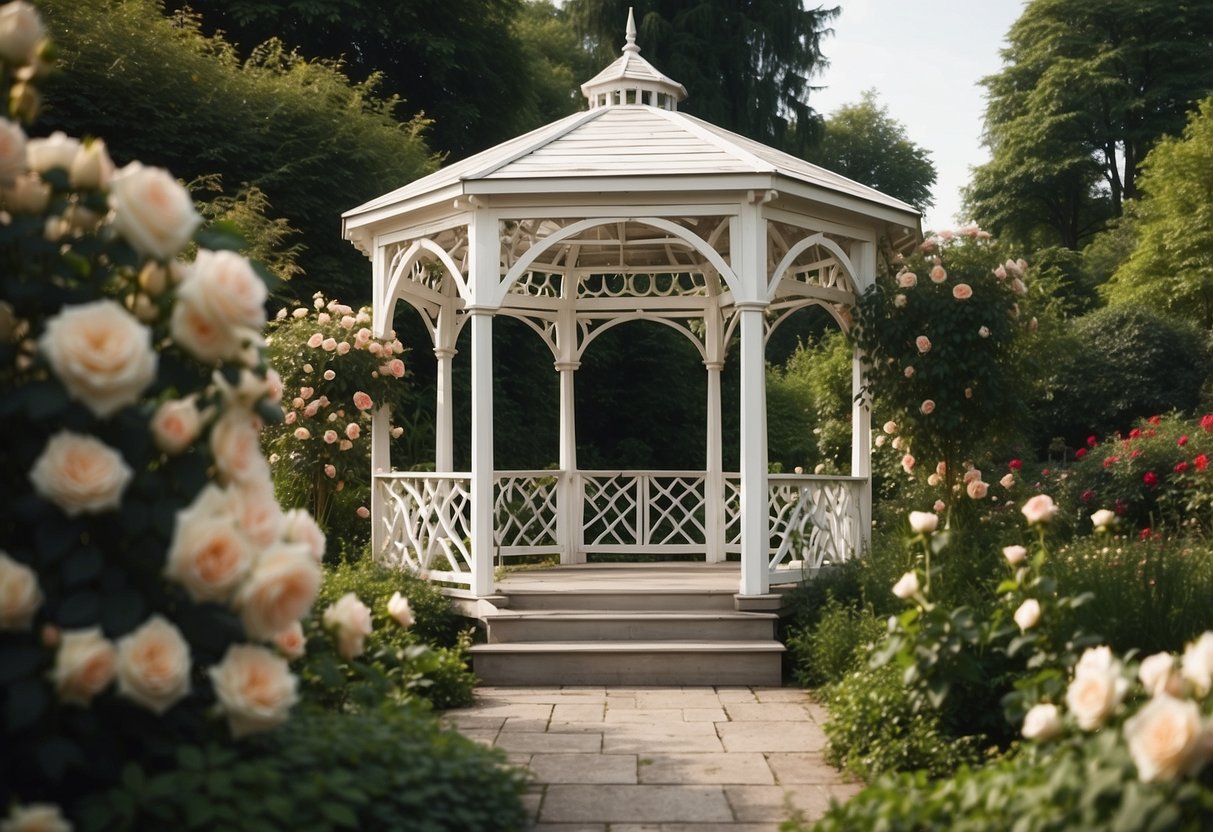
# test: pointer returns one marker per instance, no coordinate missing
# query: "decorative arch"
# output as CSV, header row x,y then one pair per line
x,y
798,248
614,322
407,260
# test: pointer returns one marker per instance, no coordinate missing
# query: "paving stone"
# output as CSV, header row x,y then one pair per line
x,y
694,827
727,695
569,827
777,803
506,710
473,721
515,724
802,767
699,698
782,695
649,715
706,769
589,767
531,802
675,737
482,737
716,714
771,736
649,804
549,743
565,712
773,712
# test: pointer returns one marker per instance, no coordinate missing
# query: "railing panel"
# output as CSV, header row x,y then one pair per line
x,y
613,510
427,524
813,520
525,509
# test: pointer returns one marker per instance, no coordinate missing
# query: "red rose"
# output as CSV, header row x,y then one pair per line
x,y
1109,461
1206,422
1088,496
1183,440
1080,453
1015,464
1092,441
1150,479
1201,462
1180,467
1136,432
1155,420
1144,534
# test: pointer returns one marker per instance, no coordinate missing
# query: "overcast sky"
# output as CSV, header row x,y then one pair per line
x,y
924,58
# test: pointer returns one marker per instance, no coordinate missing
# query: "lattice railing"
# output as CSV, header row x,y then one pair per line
x,y
525,512
427,524
814,520
642,511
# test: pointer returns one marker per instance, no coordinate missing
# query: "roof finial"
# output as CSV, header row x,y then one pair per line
x,y
630,45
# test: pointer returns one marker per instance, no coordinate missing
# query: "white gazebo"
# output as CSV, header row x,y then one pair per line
x,y
629,210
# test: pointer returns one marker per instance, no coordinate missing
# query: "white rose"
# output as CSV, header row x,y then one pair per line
x,y
298,526
152,211
1042,722
1015,555
101,353
13,161
279,591
84,665
20,595
1102,519
220,306
255,689
977,489
1096,689
257,511
236,446
21,31
923,522
27,194
1028,614
1157,672
398,608
907,587
1197,663
80,474
35,817
57,151
209,555
154,665
1039,509
175,425
350,619
92,168
292,641
1165,739
248,389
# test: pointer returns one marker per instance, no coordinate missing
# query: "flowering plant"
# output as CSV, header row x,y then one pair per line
x,y
145,567
335,375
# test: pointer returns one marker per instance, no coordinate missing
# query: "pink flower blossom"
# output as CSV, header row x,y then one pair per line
x,y
303,433
394,368
899,301
962,291
290,417
352,430
923,343
907,463
363,512
328,344
345,444
306,393
984,332
311,409
909,371
938,274
977,490
330,436
907,280
362,401
940,505
330,471
315,341
927,407
1000,273
343,348
329,375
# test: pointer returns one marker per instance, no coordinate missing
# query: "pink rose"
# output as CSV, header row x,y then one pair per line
x,y
1007,480
938,274
254,687
312,408
909,370
962,291
209,554
330,436
80,474
345,444
279,590
907,463
290,417
330,471
85,664
343,347
939,506
394,368
306,393
1015,555
328,344
350,620
900,301
1039,509
236,446
292,641
154,665
298,526
302,433
329,375
352,430
907,280
923,343
220,307
316,340
175,425
984,332
256,510
977,490
363,512
927,407
362,401
1000,273
20,595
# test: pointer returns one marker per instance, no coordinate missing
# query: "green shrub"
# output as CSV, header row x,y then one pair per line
x,y
835,646
388,770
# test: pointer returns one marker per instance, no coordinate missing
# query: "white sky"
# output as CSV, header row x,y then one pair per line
x,y
924,58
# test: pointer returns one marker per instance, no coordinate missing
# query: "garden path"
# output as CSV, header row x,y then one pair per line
x,y
651,759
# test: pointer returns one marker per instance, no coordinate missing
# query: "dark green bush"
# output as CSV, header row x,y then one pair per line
x,y
835,645
388,770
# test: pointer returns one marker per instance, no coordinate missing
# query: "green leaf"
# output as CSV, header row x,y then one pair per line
x,y
56,755
82,566
27,701
340,814
80,609
190,758
220,236
20,660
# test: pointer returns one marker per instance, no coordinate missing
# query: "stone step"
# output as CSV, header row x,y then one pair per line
x,y
660,600
632,663
514,626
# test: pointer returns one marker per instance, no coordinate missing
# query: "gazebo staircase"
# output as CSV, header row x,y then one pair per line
x,y
571,634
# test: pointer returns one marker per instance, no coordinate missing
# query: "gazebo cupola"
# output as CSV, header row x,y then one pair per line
x,y
632,80
628,211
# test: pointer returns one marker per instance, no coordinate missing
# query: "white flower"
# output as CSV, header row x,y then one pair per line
x,y
1157,673
154,665
398,608
85,665
1197,663
255,689
1028,614
1039,509
35,817
350,619
21,31
92,167
220,306
27,194
298,526
1165,739
57,151
236,446
1042,722
152,211
20,595
907,587
279,590
209,554
923,522
101,353
175,425
1015,555
12,151
1102,519
80,474
1096,689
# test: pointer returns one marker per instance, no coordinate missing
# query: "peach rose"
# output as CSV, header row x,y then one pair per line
x,y
1007,480
1028,614
209,554
1165,739
1158,674
58,150
907,280
236,446
353,431
12,151
362,401
350,620
224,294
1197,663
890,427
1015,555
154,665
398,608
923,343
962,291
977,490
35,817
255,689
291,641
1096,689
938,274
302,434
1039,509
175,425
330,436
103,356
923,522
328,344
907,463
257,511
85,665
298,526
1042,722
927,407
152,211
21,31
280,590
20,595
394,368
80,474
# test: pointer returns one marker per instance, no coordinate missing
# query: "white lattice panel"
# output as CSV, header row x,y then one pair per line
x,y
813,520
674,511
427,522
612,510
525,510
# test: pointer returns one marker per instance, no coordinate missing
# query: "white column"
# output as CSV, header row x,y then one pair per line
x,y
444,427
713,491
568,498
381,462
863,257
755,521
483,544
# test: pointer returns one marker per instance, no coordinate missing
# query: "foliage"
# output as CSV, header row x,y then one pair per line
x,y
863,142
335,373
809,405
1086,90
266,239
313,143
747,68
835,645
393,769
1117,365
1171,269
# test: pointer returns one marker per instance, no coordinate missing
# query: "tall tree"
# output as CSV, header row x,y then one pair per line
x,y
1088,87
863,142
746,65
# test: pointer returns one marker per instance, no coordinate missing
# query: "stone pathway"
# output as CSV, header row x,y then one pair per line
x,y
608,759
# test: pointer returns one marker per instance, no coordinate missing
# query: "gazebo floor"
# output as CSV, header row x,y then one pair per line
x,y
624,577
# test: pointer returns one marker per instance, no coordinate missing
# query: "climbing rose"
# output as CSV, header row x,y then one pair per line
x,y
362,401
923,522
907,587
154,665
84,665
1042,722
938,274
962,291
923,343
907,463
1015,555
1165,739
927,407
1039,509
80,474
152,211
977,490
255,689
1096,689
907,280
350,620
20,595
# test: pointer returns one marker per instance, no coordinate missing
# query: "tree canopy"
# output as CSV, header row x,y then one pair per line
x,y
863,142
1088,87
747,66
